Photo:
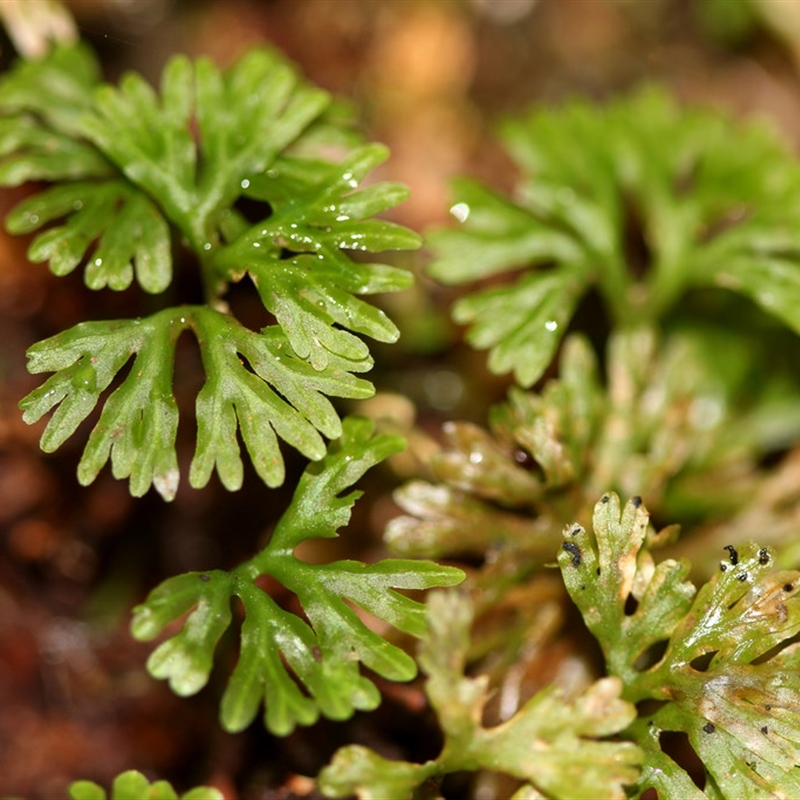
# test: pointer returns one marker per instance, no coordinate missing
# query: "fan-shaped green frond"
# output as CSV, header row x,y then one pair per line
x,y
244,118
642,200
140,419
299,668
276,395
180,159
722,661
149,167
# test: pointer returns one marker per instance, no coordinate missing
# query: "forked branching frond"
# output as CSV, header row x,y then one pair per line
x,y
140,173
297,667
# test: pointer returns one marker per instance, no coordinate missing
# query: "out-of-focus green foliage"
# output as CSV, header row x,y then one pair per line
x,y
671,421
640,199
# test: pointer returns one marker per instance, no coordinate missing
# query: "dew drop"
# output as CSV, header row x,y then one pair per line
x,y
207,246
245,183
460,211
551,325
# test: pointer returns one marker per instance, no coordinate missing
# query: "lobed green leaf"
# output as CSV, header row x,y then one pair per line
x,y
130,234
245,117
296,256
298,668
139,421
522,324
29,151
274,394
56,89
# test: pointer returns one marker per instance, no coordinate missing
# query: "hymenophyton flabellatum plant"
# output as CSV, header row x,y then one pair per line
x,y
663,214
132,177
137,175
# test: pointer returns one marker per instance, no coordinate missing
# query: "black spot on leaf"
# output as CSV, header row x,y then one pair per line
x,y
574,551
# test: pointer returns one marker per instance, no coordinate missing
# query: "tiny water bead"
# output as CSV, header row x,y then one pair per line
x,y
460,211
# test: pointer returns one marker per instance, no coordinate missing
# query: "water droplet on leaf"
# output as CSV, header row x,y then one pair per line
x,y
460,211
